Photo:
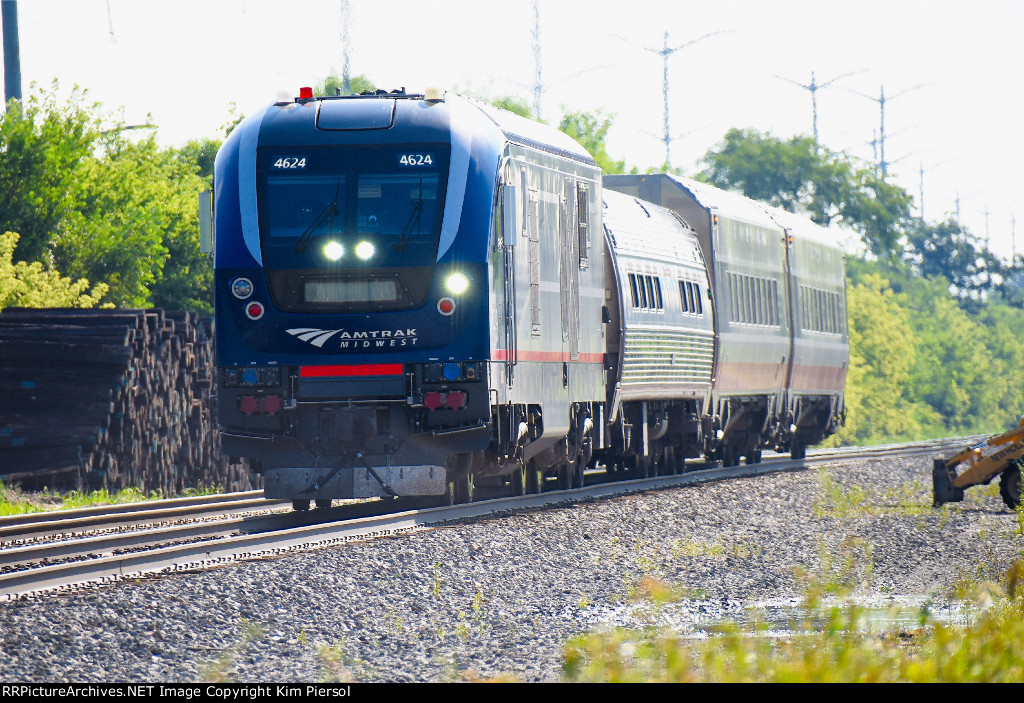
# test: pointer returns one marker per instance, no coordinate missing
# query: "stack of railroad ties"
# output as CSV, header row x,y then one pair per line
x,y
109,398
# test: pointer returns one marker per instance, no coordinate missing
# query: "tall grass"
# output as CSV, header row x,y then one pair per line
x,y
14,501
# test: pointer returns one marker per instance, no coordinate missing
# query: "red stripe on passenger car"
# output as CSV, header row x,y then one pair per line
x,y
351,370
528,355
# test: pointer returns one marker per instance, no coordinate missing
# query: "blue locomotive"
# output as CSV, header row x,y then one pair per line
x,y
422,295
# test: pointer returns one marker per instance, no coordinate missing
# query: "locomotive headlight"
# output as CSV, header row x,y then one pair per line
x,y
457,283
241,288
334,250
364,250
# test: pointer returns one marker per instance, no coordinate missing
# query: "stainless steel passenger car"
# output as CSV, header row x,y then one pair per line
x,y
661,336
782,344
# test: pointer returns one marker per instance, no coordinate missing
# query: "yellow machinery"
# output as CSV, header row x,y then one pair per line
x,y
1002,454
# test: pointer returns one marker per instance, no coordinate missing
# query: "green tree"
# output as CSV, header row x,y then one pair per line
x,y
800,175
201,154
333,84
882,353
42,149
94,204
513,104
590,129
35,286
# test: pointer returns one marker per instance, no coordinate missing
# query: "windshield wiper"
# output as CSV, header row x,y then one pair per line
x,y
415,220
330,211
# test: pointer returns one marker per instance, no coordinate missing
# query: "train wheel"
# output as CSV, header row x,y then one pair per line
x,y
753,457
300,505
1009,486
730,456
797,450
323,502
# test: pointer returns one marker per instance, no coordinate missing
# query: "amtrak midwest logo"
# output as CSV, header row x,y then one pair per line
x,y
369,339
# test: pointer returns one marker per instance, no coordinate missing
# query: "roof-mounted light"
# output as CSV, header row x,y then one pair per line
x,y
306,93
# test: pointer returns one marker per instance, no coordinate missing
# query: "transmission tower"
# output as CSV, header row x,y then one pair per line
x,y
813,89
345,13
883,165
538,87
666,52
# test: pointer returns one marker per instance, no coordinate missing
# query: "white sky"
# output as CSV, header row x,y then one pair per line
x,y
186,62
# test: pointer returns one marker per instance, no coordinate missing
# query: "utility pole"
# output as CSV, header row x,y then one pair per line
x,y
12,52
813,89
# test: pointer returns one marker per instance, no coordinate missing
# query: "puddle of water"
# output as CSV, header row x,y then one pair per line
x,y
774,617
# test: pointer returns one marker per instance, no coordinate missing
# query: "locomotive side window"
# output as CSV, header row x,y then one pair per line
x,y
533,237
583,223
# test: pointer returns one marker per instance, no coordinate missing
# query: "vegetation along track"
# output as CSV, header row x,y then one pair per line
x,y
106,544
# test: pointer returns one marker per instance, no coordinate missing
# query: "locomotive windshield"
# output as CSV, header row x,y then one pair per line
x,y
351,229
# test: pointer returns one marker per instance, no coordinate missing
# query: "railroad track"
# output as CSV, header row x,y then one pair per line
x,y
45,552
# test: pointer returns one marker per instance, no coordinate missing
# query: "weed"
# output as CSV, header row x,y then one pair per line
x,y
341,667
438,583
718,549
838,575
222,669
462,629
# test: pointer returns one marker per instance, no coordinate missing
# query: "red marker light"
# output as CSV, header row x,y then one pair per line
x,y
446,306
305,93
254,310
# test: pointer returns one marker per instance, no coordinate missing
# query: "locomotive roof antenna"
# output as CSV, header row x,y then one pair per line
x,y
883,165
665,52
12,51
813,89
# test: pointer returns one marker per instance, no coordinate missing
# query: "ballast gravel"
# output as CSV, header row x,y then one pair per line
x,y
499,597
